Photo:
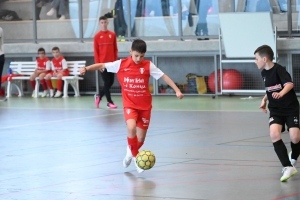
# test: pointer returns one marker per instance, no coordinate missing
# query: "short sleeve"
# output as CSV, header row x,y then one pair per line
x,y
113,66
284,76
48,65
64,64
52,66
155,71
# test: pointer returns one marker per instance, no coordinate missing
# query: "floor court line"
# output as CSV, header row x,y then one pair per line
x,y
54,121
118,109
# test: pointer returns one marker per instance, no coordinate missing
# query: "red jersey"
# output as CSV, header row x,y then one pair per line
x,y
134,80
105,47
43,64
59,64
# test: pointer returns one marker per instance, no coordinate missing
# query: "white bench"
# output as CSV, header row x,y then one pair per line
x,y
27,68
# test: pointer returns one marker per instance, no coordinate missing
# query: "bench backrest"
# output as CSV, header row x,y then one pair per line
x,y
25,68
28,67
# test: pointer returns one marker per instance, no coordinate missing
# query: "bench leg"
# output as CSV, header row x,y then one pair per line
x,y
19,85
37,88
77,94
66,88
74,83
8,89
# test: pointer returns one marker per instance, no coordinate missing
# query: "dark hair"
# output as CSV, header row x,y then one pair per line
x,y
55,48
41,49
139,46
102,18
265,51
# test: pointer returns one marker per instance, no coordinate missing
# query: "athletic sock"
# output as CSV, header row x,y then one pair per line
x,y
139,144
132,143
32,83
44,84
295,150
59,84
49,83
281,152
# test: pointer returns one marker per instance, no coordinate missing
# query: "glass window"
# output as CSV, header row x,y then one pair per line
x,y
16,19
92,11
295,16
258,6
153,18
201,18
53,19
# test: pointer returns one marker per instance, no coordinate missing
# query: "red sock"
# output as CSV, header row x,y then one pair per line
x,y
59,85
139,144
49,83
44,84
132,143
32,83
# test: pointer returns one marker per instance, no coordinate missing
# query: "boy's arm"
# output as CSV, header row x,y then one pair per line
x,y
172,85
264,103
286,89
64,65
97,66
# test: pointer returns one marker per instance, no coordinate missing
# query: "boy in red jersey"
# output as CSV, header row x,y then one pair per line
x,y
59,69
42,68
105,50
133,74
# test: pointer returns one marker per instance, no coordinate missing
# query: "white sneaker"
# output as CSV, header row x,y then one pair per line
x,y
128,157
51,12
58,94
139,170
62,17
33,93
293,161
51,93
288,172
45,93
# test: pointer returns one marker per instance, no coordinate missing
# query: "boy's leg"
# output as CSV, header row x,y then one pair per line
x,y
281,151
293,124
279,146
110,81
42,80
141,135
44,84
60,83
98,97
131,150
106,76
143,123
32,83
49,84
2,92
131,136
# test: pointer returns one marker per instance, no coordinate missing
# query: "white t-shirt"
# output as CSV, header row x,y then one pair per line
x,y
1,42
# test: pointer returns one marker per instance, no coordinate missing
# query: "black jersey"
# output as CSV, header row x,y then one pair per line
x,y
275,79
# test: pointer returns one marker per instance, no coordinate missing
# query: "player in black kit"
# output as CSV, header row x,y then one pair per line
x,y
283,106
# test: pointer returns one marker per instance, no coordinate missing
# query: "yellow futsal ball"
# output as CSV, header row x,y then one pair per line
x,y
145,159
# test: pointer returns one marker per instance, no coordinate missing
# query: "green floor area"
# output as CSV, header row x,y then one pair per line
x,y
188,103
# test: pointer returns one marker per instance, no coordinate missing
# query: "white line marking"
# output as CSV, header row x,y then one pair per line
x,y
22,125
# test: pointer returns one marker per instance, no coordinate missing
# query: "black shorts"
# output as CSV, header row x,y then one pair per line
x,y
290,121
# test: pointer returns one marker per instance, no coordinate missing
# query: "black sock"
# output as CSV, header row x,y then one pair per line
x,y
295,150
281,152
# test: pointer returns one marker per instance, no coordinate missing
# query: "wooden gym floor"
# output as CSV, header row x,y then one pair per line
x,y
205,149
